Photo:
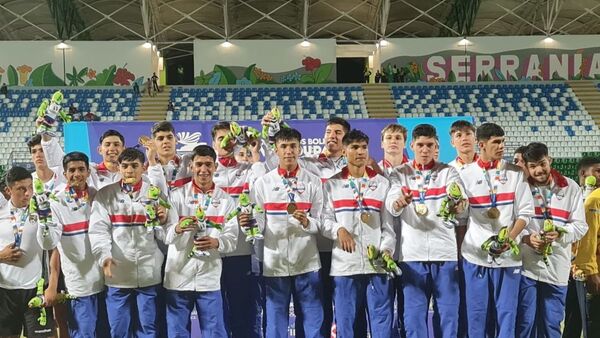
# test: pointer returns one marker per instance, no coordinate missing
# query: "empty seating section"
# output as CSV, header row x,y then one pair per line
x,y
19,108
543,111
250,103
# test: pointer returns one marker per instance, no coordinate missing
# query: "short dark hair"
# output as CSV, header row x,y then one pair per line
x,y
488,130
222,125
75,156
426,130
112,132
461,125
355,135
520,150
34,141
131,154
587,162
16,174
162,126
534,152
338,120
204,150
287,134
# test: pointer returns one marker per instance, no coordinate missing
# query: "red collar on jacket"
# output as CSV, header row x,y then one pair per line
x,y
198,190
288,174
346,172
487,165
228,161
136,187
427,166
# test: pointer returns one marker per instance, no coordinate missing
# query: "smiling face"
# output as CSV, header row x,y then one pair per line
x,y
77,174
165,143
334,133
203,168
540,171
357,153
111,148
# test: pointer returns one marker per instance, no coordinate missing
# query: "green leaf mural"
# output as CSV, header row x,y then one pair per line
x,y
227,75
105,78
13,77
44,76
76,77
451,77
307,78
249,73
322,73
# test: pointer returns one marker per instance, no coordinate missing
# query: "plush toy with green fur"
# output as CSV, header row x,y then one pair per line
x,y
549,226
379,259
245,206
239,137
454,197
50,112
151,203
39,302
39,204
273,126
495,246
201,223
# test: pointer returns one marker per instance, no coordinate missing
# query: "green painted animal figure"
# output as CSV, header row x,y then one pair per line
x,y
245,206
239,137
549,226
39,204
454,196
51,112
151,202
495,245
382,260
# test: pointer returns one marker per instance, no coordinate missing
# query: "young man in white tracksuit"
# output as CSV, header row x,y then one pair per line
x,y
354,217
558,201
193,269
127,250
498,197
111,144
241,266
393,141
293,201
69,233
427,247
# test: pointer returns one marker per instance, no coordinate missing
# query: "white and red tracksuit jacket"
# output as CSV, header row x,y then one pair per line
x,y
514,201
289,248
423,238
566,211
83,275
172,175
183,273
341,210
117,231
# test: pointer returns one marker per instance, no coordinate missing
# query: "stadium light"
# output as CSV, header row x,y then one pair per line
x,y
548,39
62,45
158,53
305,43
383,42
464,42
147,44
226,43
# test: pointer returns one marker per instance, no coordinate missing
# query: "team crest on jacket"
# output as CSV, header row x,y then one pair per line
x,y
216,203
300,187
373,185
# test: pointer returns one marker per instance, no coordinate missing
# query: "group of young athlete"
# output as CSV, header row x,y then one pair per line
x,y
147,235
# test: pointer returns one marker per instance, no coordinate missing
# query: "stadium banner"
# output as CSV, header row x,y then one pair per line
x,y
85,136
482,59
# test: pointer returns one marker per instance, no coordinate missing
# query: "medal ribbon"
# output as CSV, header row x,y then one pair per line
x,y
423,184
493,188
18,226
544,203
290,187
207,199
359,190
72,197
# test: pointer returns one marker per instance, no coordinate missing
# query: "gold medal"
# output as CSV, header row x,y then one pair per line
x,y
129,180
144,140
421,209
364,217
291,208
493,213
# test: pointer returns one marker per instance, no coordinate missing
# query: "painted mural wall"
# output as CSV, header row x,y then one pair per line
x,y
82,63
247,62
493,58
